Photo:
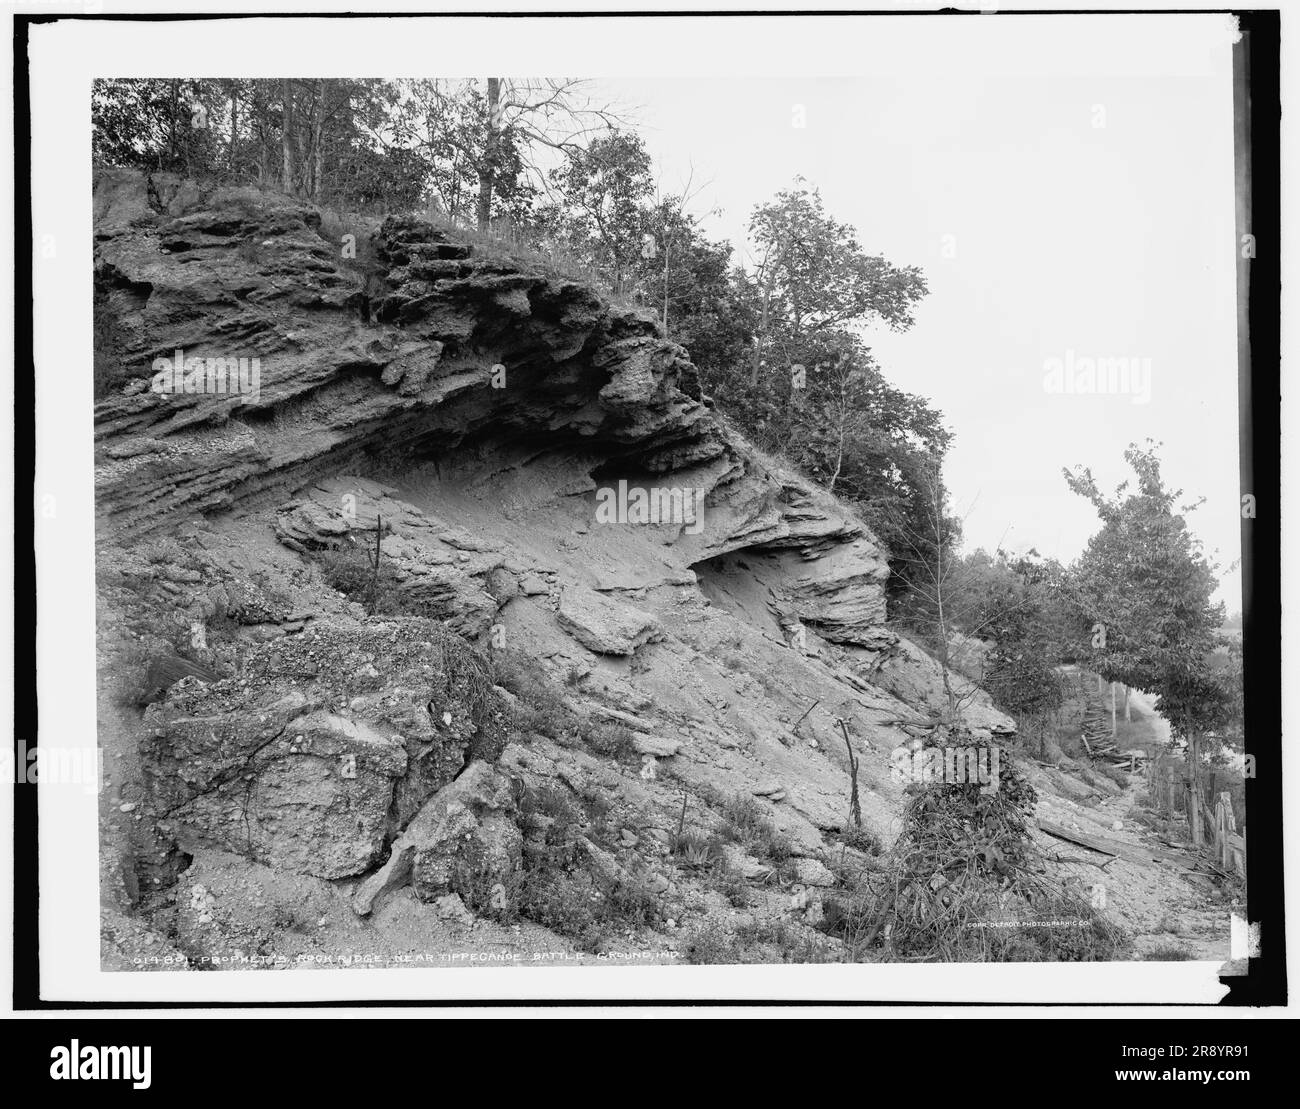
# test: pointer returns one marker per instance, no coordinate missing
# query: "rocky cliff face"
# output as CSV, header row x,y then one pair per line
x,y
434,464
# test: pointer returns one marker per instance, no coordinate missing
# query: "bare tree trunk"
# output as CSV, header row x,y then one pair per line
x,y
760,340
665,286
855,804
843,419
839,458
263,151
286,133
318,163
234,124
171,123
939,575
487,174
319,89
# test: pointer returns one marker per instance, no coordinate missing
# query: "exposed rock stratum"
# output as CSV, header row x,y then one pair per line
x,y
404,505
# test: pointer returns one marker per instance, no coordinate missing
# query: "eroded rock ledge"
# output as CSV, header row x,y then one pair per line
x,y
401,353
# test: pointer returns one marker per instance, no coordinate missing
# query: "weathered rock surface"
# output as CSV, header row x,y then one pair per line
x,y
344,759
914,677
225,273
314,779
441,570
468,824
604,625
126,943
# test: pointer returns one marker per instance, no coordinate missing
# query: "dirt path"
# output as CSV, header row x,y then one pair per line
x,y
1147,705
1163,904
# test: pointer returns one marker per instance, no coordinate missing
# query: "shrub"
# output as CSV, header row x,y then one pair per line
x,y
549,801
633,903
612,740
350,570
862,839
567,904
540,706
732,886
711,945
1168,953
487,893
744,817
695,849
963,861
775,845
556,889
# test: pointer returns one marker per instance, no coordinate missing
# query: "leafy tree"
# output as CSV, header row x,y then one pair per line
x,y
689,281
936,581
320,138
1146,586
485,134
1017,616
476,161
154,124
814,276
605,187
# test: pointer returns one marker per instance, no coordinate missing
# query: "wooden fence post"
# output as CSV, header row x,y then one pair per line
x,y
1229,823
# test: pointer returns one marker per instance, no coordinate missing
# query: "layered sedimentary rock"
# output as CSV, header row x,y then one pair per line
x,y
454,350
418,464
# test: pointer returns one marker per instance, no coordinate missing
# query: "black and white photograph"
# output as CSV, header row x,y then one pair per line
x,y
740,506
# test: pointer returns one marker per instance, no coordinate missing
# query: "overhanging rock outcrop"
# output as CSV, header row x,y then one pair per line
x,y
454,348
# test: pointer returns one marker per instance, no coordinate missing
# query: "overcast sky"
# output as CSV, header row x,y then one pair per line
x,y
1081,207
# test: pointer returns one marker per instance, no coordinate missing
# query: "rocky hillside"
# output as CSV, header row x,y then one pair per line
x,y
381,678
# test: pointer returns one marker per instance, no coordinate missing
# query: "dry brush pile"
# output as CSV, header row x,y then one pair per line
x,y
964,881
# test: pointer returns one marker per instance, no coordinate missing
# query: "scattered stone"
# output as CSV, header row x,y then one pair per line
x,y
813,872
604,625
531,585
655,745
470,821
451,908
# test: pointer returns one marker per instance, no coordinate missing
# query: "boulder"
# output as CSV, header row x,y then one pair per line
x,y
313,758
309,793
469,824
813,872
655,745
604,625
